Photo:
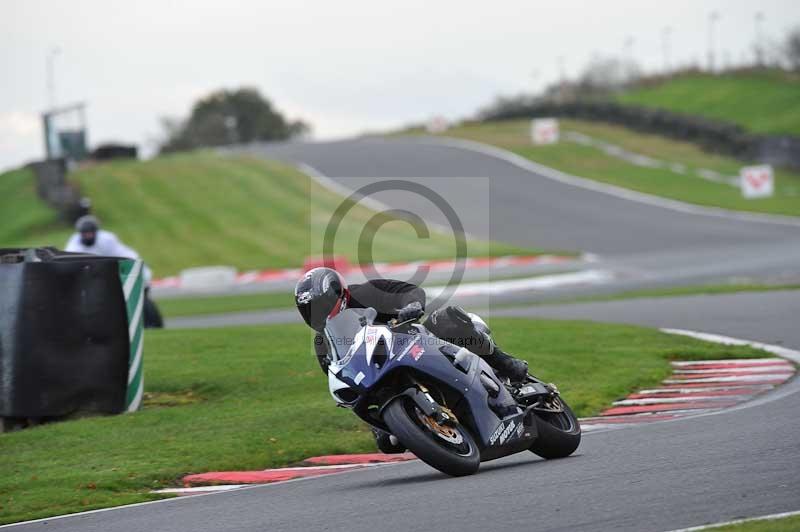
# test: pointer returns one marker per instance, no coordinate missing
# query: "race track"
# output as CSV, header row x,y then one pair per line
x,y
656,477
643,244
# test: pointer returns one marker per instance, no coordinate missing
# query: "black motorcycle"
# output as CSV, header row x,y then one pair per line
x,y
444,403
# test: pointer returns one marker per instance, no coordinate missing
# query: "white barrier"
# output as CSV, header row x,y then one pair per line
x,y
544,131
207,277
437,124
757,181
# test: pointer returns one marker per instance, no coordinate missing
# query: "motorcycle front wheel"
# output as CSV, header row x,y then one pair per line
x,y
559,433
450,449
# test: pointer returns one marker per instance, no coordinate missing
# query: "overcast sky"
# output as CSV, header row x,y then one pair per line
x,y
344,66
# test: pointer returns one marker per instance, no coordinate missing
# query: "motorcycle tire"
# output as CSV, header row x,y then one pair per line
x,y
459,458
152,316
559,434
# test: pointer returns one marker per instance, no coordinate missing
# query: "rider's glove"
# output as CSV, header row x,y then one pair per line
x,y
412,311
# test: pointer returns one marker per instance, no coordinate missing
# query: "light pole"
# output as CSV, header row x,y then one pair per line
x,y
535,78
666,33
50,59
627,58
562,78
759,18
713,17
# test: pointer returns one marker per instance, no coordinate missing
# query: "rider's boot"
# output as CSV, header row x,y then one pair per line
x,y
515,369
387,443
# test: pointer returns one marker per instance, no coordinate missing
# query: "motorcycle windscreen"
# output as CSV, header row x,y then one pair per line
x,y
342,330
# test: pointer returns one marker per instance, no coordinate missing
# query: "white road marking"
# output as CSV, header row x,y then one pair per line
x,y
721,387
783,368
740,378
541,282
770,517
203,489
687,399
781,351
713,338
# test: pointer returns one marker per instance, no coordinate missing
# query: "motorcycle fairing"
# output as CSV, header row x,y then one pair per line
x,y
377,351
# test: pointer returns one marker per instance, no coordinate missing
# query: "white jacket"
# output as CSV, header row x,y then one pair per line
x,y
108,245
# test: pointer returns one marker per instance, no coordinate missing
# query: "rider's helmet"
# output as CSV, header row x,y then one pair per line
x,y
87,226
321,294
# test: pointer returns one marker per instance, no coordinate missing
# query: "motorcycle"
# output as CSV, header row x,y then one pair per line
x,y
443,403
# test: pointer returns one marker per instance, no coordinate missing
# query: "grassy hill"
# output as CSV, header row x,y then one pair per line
x,y
202,209
761,102
25,216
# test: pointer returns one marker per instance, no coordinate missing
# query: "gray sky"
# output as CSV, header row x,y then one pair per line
x,y
344,66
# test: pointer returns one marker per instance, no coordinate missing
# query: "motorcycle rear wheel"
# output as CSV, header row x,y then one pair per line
x,y
559,433
453,452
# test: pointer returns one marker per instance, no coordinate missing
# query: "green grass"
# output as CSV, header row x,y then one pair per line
x,y
25,216
786,524
767,102
194,306
593,163
200,208
253,397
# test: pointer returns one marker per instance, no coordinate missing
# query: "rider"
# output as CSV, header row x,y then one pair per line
x,y
89,238
322,293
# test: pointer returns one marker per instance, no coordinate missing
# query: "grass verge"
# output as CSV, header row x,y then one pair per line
x,y
201,208
762,102
197,306
786,524
25,216
253,397
593,163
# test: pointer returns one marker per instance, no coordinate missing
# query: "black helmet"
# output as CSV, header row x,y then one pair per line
x,y
321,294
87,226
87,223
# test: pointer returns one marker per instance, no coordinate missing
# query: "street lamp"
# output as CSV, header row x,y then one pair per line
x,y
713,17
666,33
627,58
759,18
562,78
50,59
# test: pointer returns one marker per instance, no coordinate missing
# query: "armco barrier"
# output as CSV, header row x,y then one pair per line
x,y
70,334
713,135
54,188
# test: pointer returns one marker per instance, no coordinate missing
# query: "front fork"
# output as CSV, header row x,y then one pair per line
x,y
427,404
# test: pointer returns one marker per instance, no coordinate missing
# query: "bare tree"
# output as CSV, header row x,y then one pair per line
x,y
792,49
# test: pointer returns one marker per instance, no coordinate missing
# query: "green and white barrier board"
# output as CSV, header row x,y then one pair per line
x,y
132,279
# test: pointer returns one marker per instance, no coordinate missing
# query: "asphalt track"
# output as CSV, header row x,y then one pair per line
x,y
529,210
740,463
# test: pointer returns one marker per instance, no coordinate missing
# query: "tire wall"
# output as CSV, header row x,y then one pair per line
x,y
712,135
65,333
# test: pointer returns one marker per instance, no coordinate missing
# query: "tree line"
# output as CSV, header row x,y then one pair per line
x,y
225,117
